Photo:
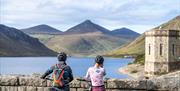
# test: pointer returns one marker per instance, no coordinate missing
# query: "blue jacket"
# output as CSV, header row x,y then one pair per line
x,y
68,76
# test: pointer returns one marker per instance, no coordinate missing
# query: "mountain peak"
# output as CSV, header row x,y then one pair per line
x,y
43,25
87,21
42,29
87,27
125,32
125,28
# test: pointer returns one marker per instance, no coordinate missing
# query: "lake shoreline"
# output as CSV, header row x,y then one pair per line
x,y
79,65
136,71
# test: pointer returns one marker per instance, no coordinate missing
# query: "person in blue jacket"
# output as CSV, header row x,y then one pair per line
x,y
62,74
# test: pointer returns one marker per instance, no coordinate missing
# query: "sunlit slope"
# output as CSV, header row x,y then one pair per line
x,y
84,44
137,46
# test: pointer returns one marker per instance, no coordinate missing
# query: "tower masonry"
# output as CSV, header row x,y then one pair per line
x,y
162,51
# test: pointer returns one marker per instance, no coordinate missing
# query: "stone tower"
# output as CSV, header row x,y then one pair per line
x,y
162,51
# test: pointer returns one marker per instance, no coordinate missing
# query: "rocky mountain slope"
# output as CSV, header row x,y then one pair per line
x,y
14,42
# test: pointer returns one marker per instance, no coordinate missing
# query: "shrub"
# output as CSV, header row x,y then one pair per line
x,y
140,59
134,71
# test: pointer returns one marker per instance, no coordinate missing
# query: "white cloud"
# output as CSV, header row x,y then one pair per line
x,y
136,14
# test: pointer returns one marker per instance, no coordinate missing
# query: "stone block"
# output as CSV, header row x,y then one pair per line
x,y
122,90
73,89
2,88
114,90
49,83
82,89
46,88
32,81
42,88
75,83
126,84
150,85
22,88
30,88
9,88
8,80
85,84
167,83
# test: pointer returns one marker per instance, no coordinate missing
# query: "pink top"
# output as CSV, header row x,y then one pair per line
x,y
96,75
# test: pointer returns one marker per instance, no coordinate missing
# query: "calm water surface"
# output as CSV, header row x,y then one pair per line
x,y
30,65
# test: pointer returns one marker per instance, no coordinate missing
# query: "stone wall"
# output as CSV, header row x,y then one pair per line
x,y
34,83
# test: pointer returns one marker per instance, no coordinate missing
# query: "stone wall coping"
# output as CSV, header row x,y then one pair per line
x,y
167,82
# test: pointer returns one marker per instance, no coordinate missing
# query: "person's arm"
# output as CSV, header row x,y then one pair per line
x,y
49,71
87,77
70,75
104,72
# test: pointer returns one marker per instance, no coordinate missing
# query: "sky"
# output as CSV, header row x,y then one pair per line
x,y
138,15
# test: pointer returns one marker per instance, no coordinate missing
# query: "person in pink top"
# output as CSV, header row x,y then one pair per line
x,y
96,74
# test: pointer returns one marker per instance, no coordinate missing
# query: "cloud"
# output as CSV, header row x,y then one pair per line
x,y
62,14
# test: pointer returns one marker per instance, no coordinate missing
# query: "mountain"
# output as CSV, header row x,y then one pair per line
x,y
137,47
84,39
125,32
14,42
86,27
173,24
85,44
41,29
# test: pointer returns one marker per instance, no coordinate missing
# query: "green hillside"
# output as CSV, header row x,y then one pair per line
x,y
134,48
84,44
137,46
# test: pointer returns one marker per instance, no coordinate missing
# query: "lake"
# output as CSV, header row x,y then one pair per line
x,y
79,65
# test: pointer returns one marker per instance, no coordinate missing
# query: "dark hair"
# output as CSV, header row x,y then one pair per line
x,y
99,59
62,56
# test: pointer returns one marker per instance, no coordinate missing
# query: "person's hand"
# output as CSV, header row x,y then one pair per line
x,y
102,65
42,77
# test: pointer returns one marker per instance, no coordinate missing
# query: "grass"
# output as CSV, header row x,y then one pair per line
x,y
134,48
140,59
84,44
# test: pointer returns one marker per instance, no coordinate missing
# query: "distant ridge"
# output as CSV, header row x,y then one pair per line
x,y
87,27
14,42
42,29
125,32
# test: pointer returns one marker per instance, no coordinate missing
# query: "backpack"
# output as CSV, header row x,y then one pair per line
x,y
58,75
